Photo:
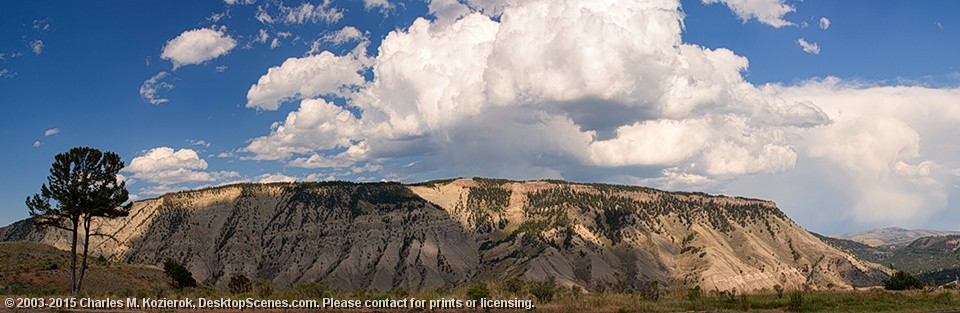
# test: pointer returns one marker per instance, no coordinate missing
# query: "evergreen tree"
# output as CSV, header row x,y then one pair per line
x,y
82,185
178,273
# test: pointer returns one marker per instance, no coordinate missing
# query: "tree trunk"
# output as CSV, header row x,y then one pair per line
x,y
86,244
73,258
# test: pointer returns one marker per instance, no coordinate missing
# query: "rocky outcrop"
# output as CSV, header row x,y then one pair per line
x,y
447,233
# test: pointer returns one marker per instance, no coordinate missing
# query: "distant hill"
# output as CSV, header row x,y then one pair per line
x,y
928,254
892,238
877,255
454,232
934,259
32,268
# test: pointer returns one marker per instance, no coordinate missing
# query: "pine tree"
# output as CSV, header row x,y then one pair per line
x,y
82,186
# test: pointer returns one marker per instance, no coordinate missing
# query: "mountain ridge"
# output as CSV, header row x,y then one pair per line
x,y
450,232
891,237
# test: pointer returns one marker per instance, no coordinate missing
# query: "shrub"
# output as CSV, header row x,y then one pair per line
x,y
543,291
694,294
478,292
744,303
650,291
178,273
239,284
902,281
795,303
513,286
264,288
779,290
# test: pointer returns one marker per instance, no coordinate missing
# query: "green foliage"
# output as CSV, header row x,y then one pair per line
x,y
514,286
239,284
744,304
795,301
434,183
779,290
650,291
694,294
82,185
543,291
178,274
478,291
264,288
902,281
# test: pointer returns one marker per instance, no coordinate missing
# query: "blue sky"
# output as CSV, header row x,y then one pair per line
x,y
855,130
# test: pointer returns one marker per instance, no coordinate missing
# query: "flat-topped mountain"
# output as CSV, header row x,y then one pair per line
x,y
453,232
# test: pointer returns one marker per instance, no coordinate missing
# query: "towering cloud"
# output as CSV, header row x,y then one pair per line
x,y
591,90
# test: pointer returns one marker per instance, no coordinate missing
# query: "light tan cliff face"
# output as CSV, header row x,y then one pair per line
x,y
389,235
684,246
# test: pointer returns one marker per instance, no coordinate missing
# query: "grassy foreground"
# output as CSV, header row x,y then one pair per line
x,y
874,300
36,270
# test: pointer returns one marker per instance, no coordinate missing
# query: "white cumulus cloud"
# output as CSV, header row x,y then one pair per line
x,y
824,23
197,46
308,12
310,76
275,178
809,47
166,166
613,92
608,91
345,35
36,46
51,132
769,12
151,87
377,4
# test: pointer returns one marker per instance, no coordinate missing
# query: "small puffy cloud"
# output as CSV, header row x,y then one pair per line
x,y
769,12
308,12
344,35
165,166
36,144
51,132
197,46
275,43
377,4
310,76
263,16
263,36
42,25
221,68
216,17
809,47
150,88
275,178
36,46
319,177
160,190
199,142
824,23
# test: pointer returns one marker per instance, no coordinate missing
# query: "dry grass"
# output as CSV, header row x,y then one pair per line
x,y
32,269
35,269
